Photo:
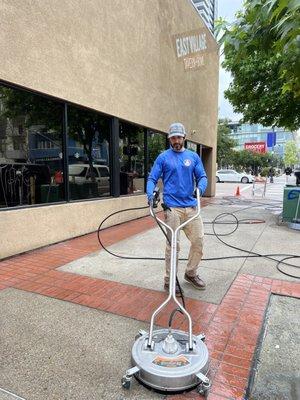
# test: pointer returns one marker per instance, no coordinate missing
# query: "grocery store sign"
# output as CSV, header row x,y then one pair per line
x,y
192,48
256,147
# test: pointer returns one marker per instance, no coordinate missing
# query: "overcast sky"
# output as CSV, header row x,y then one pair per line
x,y
227,10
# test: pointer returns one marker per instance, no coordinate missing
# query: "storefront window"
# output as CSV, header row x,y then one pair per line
x,y
88,153
156,145
191,146
131,151
30,149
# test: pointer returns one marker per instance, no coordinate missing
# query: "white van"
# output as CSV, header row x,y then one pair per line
x,y
81,173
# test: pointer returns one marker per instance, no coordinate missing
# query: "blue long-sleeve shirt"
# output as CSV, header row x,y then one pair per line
x,y
178,171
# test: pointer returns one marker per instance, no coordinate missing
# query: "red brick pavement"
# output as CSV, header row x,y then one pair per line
x,y
232,328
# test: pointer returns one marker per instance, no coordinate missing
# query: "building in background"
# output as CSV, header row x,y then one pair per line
x,y
260,137
208,11
82,122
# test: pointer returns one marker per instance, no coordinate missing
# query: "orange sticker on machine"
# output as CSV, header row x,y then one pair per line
x,y
176,362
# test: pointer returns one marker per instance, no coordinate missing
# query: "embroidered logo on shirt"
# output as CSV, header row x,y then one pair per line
x,y
187,163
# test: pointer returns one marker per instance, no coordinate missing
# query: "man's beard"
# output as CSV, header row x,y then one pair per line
x,y
177,146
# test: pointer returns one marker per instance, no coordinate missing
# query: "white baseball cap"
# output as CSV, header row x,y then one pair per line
x,y
176,129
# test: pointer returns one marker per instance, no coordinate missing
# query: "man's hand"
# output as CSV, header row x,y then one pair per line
x,y
149,199
154,198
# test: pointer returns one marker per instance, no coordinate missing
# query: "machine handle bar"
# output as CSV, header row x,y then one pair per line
x,y
172,285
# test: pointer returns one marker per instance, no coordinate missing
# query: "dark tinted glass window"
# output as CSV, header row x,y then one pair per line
x,y
30,149
156,145
131,150
191,146
88,151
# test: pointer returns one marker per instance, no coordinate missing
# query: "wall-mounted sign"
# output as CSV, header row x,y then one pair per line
x,y
192,47
256,147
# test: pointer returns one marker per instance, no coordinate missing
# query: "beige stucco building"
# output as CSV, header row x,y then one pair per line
x,y
141,64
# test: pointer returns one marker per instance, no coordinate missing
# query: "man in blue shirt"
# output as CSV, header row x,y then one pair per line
x,y
179,170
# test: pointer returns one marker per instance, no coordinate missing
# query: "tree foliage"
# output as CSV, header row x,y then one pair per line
x,y
290,153
255,162
262,52
241,160
34,109
156,144
225,145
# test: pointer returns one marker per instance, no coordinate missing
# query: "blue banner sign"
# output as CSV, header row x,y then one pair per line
x,y
271,139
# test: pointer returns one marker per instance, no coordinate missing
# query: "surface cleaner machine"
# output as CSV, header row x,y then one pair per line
x,y
170,360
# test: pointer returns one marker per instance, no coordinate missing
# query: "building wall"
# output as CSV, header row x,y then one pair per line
x,y
113,58
25,229
116,58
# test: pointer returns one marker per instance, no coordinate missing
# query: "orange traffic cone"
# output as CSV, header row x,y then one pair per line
x,y
237,193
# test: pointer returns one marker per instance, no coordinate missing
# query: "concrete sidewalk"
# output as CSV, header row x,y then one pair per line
x,y
70,312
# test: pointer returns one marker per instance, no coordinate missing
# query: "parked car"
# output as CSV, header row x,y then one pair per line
x,y
81,173
230,175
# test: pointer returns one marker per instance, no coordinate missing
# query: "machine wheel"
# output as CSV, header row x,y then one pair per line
x,y
244,179
203,389
217,179
126,382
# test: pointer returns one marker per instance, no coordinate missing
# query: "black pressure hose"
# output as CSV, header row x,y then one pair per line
x,y
141,258
105,248
254,254
216,221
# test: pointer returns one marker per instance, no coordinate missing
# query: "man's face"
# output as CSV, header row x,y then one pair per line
x,y
177,142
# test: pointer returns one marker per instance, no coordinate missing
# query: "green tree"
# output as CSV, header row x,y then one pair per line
x,y
83,126
225,145
255,162
243,160
290,153
262,52
156,144
34,109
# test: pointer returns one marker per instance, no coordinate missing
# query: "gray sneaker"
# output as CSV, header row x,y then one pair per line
x,y
196,281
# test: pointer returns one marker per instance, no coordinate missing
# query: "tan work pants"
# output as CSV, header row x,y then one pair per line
x,y
194,232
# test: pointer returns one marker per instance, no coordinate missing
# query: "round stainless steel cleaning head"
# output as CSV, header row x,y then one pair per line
x,y
166,370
